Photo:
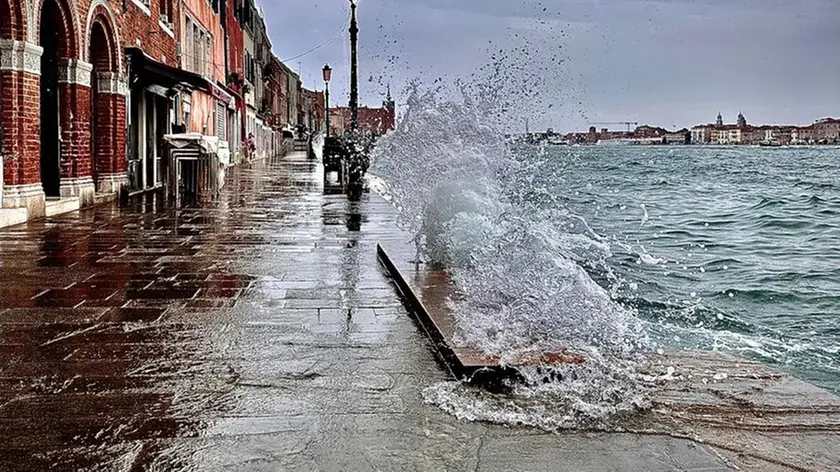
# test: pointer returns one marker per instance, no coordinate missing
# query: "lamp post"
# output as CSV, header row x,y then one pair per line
x,y
354,72
327,76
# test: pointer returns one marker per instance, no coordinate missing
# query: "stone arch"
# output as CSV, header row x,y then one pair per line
x,y
12,24
65,103
55,36
101,53
107,98
102,16
67,26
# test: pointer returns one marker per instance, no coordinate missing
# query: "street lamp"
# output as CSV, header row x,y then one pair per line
x,y
327,76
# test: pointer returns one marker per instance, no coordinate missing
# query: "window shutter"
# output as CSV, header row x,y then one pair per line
x,y
221,121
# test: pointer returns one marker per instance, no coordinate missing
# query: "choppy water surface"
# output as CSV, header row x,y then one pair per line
x,y
715,248
615,253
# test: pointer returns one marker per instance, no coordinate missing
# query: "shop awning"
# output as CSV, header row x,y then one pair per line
x,y
223,95
151,72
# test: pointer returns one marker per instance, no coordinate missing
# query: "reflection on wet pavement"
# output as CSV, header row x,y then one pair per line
x,y
255,333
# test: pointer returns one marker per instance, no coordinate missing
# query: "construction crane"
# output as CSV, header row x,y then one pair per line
x,y
629,124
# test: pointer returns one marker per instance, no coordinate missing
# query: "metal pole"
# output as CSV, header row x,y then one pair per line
x,y
354,72
327,111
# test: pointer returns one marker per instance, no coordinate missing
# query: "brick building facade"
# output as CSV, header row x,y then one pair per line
x,y
313,110
62,79
376,121
235,69
824,131
88,89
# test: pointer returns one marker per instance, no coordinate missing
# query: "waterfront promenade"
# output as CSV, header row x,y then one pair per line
x,y
257,333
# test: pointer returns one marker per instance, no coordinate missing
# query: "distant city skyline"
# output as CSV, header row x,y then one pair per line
x,y
725,121
674,63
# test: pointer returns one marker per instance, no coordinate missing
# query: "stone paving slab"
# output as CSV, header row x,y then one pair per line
x,y
255,333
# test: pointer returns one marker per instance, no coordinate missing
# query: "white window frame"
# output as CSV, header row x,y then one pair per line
x,y
198,48
143,5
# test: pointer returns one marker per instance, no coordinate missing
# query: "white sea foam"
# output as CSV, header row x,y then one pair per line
x,y
460,192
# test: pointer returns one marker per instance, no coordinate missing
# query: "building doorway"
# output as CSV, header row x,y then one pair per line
x,y
151,141
51,28
102,127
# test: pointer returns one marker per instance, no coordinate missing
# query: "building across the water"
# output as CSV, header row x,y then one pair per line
x,y
642,135
824,131
376,121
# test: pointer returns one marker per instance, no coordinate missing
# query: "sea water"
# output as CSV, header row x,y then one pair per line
x,y
731,248
615,253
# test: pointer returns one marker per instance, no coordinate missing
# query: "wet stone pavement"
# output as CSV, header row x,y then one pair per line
x,y
255,333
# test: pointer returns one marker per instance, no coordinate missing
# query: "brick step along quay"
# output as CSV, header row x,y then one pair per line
x,y
425,293
260,332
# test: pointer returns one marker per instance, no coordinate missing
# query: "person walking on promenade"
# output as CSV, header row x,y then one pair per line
x,y
250,147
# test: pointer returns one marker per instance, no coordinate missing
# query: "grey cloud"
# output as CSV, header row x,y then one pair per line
x,y
664,62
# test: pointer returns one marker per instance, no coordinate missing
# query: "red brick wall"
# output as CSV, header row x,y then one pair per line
x,y
8,119
118,159
376,120
75,130
21,91
236,44
135,25
30,125
21,123
236,58
103,146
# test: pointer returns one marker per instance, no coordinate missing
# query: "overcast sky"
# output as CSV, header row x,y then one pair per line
x,y
566,63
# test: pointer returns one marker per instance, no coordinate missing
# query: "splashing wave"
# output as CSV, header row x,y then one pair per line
x,y
517,266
